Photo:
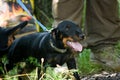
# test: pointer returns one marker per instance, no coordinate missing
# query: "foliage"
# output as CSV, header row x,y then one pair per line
x,y
85,65
119,7
43,12
117,48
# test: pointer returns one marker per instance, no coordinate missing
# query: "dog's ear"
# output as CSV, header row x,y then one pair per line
x,y
7,35
16,28
54,31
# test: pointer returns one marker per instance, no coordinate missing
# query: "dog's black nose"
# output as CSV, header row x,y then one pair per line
x,y
82,36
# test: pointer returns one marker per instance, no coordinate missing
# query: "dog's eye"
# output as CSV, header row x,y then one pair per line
x,y
77,33
67,27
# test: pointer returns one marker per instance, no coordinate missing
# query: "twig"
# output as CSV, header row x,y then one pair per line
x,y
18,76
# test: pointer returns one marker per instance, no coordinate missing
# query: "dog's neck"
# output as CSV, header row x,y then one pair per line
x,y
56,48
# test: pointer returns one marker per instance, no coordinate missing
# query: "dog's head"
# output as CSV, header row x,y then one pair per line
x,y
7,35
70,34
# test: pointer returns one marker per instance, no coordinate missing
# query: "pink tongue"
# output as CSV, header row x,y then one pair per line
x,y
75,45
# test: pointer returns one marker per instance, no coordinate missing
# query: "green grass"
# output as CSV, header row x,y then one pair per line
x,y
85,65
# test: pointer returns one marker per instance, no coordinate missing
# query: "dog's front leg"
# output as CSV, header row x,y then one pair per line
x,y
72,65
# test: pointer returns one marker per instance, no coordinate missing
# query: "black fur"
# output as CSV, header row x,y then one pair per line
x,y
5,34
38,45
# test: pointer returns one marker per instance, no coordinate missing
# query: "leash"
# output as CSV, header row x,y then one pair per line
x,y
25,8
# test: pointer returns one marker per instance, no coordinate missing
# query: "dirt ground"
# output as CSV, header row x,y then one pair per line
x,y
102,76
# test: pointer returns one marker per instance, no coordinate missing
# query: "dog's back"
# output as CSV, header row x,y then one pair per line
x,y
26,46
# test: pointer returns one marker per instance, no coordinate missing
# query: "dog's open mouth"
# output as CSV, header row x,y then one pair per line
x,y
76,46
